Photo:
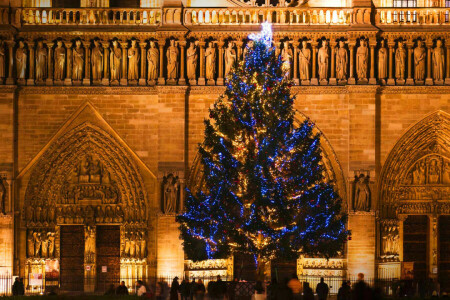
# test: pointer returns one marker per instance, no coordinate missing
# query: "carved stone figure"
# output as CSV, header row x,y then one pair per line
x,y
44,246
37,214
132,244
419,174
362,55
60,60
382,60
134,57
249,46
286,57
172,60
304,56
341,62
420,55
37,243
434,172
361,199
171,188
115,61
30,244
89,245
191,61
21,60
51,244
2,60
438,62
97,61
230,57
210,56
143,245
41,61
153,61
323,59
446,173
126,251
400,59
2,195
78,62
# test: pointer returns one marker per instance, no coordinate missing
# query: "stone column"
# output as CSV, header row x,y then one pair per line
x,y
87,63
105,80
314,80
161,79
351,47
447,77
10,78
124,79
433,253
409,46
391,80
372,45
142,80
220,45
333,63
49,80
182,80
68,80
201,79
429,79
296,80
30,80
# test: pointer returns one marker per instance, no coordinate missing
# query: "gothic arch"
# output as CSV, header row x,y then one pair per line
x,y
414,178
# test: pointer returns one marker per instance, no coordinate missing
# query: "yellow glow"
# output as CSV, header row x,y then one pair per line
x,y
37,3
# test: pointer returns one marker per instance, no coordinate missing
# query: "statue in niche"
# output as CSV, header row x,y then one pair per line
x,y
78,61
420,55
137,245
133,61
30,244
171,195
2,196
60,60
51,244
191,61
37,243
89,245
361,193
323,59
115,61
438,62
210,56
153,61
446,173
143,245
230,57
37,214
29,213
41,61
418,175
172,60
21,60
44,246
2,60
286,58
249,46
382,60
341,61
362,55
97,61
132,244
126,251
118,215
434,172
304,56
400,58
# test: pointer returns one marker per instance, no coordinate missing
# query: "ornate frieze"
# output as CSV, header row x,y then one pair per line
x,y
334,267
389,240
41,243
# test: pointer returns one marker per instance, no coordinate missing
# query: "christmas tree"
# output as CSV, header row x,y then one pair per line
x,y
264,190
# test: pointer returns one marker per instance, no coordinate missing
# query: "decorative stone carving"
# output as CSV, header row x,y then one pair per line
x,y
420,54
210,56
361,193
89,245
135,244
115,63
389,249
323,59
134,57
382,60
304,56
41,244
191,62
400,59
2,60
60,61
230,57
78,62
2,196
438,62
21,61
172,60
97,61
341,62
286,57
171,193
362,59
153,62
41,62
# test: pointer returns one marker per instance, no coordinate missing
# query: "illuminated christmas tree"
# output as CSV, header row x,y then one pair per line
x,y
264,191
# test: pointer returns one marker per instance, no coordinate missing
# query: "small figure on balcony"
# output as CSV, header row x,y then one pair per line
x,y
60,61
78,61
400,58
304,60
41,62
362,55
172,61
323,59
382,60
438,62
133,61
153,61
286,57
230,57
210,56
115,62
21,61
191,62
97,61
341,62
420,55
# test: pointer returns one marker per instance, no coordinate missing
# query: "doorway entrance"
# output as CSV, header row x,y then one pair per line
x,y
444,253
72,258
108,256
415,244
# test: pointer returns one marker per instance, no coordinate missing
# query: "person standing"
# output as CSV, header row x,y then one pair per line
x,y
140,287
199,290
360,290
192,288
122,289
185,289
308,293
175,287
344,292
322,289
296,287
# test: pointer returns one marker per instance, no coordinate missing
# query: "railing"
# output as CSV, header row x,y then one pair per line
x,y
90,16
257,15
412,16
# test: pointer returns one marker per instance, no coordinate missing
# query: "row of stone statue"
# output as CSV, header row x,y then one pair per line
x,y
135,245
41,244
389,241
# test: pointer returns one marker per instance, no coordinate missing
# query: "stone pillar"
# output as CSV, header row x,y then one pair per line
x,y
447,77
429,79
351,77
391,80
161,79
142,80
220,45
296,80
409,46
124,80
30,80
201,79
49,80
314,80
68,80
10,78
401,220
433,250
87,63
105,80
182,80
372,45
333,63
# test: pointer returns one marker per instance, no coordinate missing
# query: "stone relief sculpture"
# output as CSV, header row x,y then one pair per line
x,y
389,241
2,60
2,196
420,55
419,174
362,56
323,59
41,62
361,193
191,62
382,60
115,62
230,57
304,61
434,172
21,61
41,244
60,61
171,193
89,245
133,61
210,56
286,57
341,62
446,173
78,61
438,62
400,58
97,61
153,62
172,61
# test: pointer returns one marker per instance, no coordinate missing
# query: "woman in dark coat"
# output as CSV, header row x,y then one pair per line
x,y
174,289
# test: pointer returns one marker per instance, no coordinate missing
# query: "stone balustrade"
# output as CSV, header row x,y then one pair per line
x,y
412,16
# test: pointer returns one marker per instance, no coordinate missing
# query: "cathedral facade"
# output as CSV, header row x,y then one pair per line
x,y
101,112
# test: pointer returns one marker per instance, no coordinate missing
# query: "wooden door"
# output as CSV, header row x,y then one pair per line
x,y
72,258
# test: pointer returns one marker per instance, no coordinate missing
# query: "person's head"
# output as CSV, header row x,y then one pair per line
x,y
438,43
17,279
78,43
344,283
419,43
305,285
20,279
211,44
324,43
21,44
360,276
59,43
40,44
304,44
363,43
193,279
172,42
115,43
175,279
250,44
122,283
152,44
400,44
341,44
133,43
322,279
286,44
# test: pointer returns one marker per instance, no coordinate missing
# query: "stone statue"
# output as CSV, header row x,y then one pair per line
x,y
60,60
362,55
286,58
2,196
323,59
434,172
37,214
132,245
51,244
126,251
137,245
44,246
41,61
438,62
30,244
37,243
143,245
420,55
361,198
172,60
418,175
115,61
2,60
230,57
341,62
382,60
153,61
78,61
89,245
170,193
446,173
304,56
191,61
400,58
210,56
21,61
133,61
250,45
97,61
